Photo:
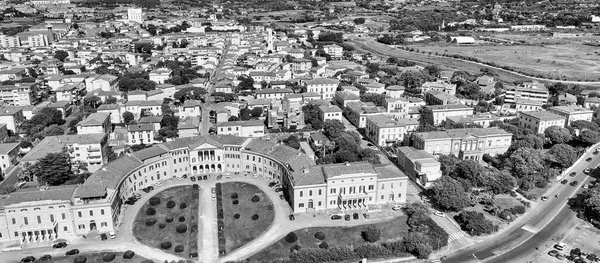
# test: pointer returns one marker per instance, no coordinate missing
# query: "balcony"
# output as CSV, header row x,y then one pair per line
x,y
353,196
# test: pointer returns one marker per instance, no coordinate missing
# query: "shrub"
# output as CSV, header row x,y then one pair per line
x,y
194,227
291,237
154,201
128,254
150,221
171,204
295,248
147,261
236,216
513,194
519,209
182,219
80,259
234,196
324,245
320,235
166,245
181,229
150,211
179,248
255,217
235,202
255,198
371,234
108,257
161,226
220,214
169,219
182,206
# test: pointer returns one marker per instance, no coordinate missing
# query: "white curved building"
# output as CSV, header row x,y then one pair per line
x,y
34,216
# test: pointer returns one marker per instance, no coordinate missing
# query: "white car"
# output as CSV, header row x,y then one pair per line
x,y
396,207
112,235
440,214
560,246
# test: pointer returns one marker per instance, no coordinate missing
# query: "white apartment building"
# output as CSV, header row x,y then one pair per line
x,y
140,134
160,75
441,112
10,41
534,91
323,86
330,113
572,113
384,131
86,148
334,51
97,122
190,108
135,15
539,121
272,94
12,117
252,128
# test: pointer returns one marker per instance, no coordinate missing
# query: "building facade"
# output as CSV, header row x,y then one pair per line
x,y
539,121
385,131
572,113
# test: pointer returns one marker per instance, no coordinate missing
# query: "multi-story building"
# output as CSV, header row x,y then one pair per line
x,y
252,128
440,86
160,75
539,121
323,86
385,131
19,94
150,107
272,94
190,108
86,148
357,112
104,82
527,91
471,143
334,51
98,122
9,41
434,97
482,119
9,156
441,112
140,134
418,164
573,113
135,15
113,110
12,116
330,113
401,107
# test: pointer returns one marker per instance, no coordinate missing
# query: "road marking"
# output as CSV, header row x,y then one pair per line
x,y
530,229
455,236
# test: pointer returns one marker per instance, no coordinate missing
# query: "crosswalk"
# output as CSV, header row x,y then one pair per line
x,y
455,236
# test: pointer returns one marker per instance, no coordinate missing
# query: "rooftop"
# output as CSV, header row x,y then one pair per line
x,y
58,193
543,115
570,109
94,119
461,133
55,144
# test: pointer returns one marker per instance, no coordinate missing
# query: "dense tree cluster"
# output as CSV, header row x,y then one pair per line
x,y
475,223
131,81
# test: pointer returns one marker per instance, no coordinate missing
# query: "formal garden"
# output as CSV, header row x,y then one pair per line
x,y
244,212
169,221
413,235
98,257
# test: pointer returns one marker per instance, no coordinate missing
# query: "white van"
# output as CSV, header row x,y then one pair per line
x,y
560,246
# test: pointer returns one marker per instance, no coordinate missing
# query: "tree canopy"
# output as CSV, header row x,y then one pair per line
x,y
52,169
449,194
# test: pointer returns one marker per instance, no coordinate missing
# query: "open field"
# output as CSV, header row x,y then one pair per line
x,y
334,236
573,61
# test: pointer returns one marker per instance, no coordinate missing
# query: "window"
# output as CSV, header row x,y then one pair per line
x,y
39,219
16,234
382,197
333,190
301,193
319,203
64,216
103,224
91,212
82,226
309,192
399,195
102,211
382,186
52,218
25,221
301,205
65,228
14,221
320,193
79,213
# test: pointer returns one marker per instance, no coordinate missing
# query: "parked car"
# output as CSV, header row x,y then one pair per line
x,y
193,178
271,184
574,183
544,198
112,235
60,245
146,190
194,255
355,216
278,189
292,218
587,171
219,176
45,257
103,236
396,207
586,186
185,176
72,252
366,216
440,214
28,259
336,217
572,174
150,188
282,197
553,253
204,177
560,256
596,152
564,181
347,217
560,246
589,159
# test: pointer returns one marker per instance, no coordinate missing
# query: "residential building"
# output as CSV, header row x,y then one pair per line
x,y
357,112
98,122
592,102
135,15
394,91
140,134
252,128
104,82
113,110
9,156
190,108
87,148
441,112
385,131
160,75
19,94
470,143
12,117
189,127
333,50
440,86
151,107
342,98
418,164
572,113
482,119
527,91
330,113
272,94
538,121
434,97
323,86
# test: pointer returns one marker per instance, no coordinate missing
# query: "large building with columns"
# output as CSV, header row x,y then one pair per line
x,y
58,212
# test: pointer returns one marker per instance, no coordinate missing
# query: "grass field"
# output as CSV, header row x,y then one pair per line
x,y
97,258
244,229
168,219
334,236
573,61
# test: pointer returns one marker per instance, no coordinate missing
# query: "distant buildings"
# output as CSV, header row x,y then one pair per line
x,y
441,112
533,91
323,86
330,113
135,15
539,121
385,131
87,148
572,113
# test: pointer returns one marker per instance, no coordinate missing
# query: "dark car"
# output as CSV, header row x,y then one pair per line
x,y
366,216
282,197
103,236
336,217
194,255
574,183
572,174
185,176
564,181
193,178
589,159
595,152
28,259
146,190
72,252
219,176
355,216
278,189
150,188
60,245
347,217
130,201
271,184
292,218
553,253
205,177
45,257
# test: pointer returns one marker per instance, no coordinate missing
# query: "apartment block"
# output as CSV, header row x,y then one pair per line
x,y
419,164
323,86
330,113
572,113
252,128
87,148
539,121
527,91
384,131
441,112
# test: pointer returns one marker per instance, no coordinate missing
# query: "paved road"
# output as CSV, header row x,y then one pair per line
x,y
208,244
534,228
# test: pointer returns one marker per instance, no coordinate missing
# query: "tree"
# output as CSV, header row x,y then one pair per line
x,y
418,244
61,55
589,137
433,70
53,169
475,223
292,141
233,118
371,233
448,163
564,154
556,134
333,128
92,101
425,116
128,117
449,194
110,100
499,182
359,21
54,130
256,112
378,99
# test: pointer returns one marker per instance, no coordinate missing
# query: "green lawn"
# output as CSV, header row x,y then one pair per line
x,y
153,235
97,258
334,236
244,229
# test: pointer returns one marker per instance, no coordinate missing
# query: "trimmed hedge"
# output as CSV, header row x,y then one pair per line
x,y
181,229
182,206
128,254
220,214
161,226
295,248
150,221
150,211
255,217
255,198
235,202
179,248
320,235
182,219
154,201
194,228
324,245
80,259
108,257
169,219
236,216
166,245
371,234
234,196
147,261
171,204
291,237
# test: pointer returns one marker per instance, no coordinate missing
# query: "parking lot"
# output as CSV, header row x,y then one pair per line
x,y
583,236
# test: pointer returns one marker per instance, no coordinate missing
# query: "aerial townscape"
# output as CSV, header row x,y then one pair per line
x,y
299,131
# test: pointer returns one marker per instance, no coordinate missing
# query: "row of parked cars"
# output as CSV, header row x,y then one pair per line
x,y
347,217
575,255
49,257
